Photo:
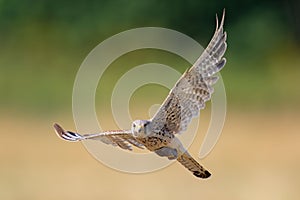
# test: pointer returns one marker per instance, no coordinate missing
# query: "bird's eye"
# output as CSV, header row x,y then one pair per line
x,y
133,125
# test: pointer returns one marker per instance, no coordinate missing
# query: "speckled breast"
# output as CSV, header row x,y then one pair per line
x,y
156,142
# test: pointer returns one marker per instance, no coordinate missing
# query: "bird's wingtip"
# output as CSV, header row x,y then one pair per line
x,y
223,18
66,135
58,129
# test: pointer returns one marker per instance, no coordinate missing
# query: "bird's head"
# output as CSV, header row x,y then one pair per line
x,y
141,128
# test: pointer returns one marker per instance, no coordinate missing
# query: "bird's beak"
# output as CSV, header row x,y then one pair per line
x,y
139,128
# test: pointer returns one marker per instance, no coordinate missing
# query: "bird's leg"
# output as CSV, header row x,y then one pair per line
x,y
167,152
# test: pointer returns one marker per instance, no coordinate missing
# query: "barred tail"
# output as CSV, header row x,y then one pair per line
x,y
192,165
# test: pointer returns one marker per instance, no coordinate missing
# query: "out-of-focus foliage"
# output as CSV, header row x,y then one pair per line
x,y
44,42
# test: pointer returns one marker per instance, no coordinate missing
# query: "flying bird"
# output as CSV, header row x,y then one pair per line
x,y
184,102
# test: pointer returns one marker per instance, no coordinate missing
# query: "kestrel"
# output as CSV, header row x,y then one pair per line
x,y
183,103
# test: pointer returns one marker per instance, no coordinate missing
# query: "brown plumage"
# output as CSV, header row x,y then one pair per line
x,y
183,103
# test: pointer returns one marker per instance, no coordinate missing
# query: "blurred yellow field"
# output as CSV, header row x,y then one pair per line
x,y
257,157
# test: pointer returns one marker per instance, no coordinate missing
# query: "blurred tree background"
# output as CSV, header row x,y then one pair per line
x,y
44,42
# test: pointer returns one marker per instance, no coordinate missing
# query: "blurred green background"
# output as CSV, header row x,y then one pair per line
x,y
43,43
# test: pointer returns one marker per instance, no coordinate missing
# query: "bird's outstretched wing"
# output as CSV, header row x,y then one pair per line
x,y
194,88
192,165
123,139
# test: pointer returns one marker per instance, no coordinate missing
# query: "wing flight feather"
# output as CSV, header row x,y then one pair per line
x,y
122,138
194,88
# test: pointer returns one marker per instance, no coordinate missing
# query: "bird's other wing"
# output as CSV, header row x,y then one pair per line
x,y
194,87
192,165
122,138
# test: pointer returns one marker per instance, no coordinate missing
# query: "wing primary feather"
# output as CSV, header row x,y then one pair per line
x,y
67,135
221,64
217,23
223,18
